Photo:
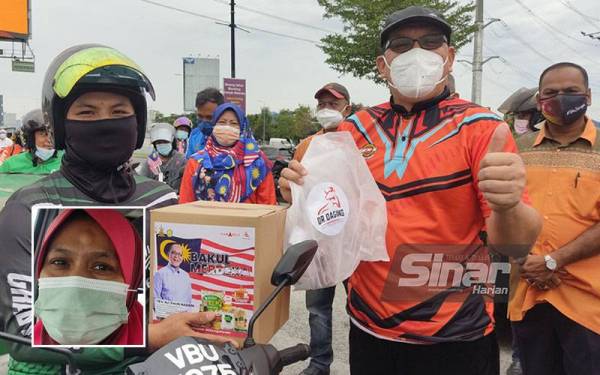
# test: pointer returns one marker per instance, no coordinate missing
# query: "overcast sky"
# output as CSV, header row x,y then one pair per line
x,y
282,73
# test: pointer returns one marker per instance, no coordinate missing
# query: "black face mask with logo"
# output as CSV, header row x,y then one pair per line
x,y
564,109
97,155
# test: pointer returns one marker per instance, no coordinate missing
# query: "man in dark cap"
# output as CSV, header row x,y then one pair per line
x,y
451,177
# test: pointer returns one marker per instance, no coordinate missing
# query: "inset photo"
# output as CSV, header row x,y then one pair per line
x,y
88,277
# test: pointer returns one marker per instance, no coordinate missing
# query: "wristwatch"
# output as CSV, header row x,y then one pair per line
x,y
550,263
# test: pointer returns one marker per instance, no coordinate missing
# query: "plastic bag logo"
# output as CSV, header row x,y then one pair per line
x,y
368,150
328,208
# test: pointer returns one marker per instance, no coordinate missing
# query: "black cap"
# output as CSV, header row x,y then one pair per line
x,y
414,14
334,89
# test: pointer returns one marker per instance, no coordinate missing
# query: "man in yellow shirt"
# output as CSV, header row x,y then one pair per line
x,y
555,302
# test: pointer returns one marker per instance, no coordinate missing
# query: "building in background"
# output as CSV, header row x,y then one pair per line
x,y
10,121
198,74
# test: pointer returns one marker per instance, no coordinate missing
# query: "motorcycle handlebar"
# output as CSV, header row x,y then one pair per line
x,y
294,354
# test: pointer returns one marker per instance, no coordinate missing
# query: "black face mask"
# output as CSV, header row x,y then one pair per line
x,y
96,157
536,118
564,109
103,144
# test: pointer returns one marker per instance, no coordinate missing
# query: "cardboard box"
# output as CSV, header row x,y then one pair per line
x,y
229,251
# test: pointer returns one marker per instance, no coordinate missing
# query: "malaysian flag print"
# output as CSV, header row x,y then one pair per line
x,y
154,162
236,278
214,267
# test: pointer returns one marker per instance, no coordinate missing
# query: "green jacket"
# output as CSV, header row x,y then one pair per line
x,y
105,361
16,282
23,163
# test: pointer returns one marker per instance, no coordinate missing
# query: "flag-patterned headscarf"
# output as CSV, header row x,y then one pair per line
x,y
230,174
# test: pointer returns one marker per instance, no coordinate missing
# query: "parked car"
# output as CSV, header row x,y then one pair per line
x,y
280,157
281,143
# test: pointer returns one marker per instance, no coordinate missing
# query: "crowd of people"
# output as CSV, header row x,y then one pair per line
x,y
451,173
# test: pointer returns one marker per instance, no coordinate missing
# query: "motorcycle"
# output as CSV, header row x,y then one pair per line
x,y
196,356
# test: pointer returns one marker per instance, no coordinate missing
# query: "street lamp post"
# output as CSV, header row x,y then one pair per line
x,y
264,118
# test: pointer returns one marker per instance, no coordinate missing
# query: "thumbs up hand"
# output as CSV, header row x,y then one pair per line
x,y
501,174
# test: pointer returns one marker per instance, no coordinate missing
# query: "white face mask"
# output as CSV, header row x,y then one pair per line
x,y
2,136
521,126
416,73
329,118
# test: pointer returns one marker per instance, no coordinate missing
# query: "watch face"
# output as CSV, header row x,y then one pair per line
x,y
550,263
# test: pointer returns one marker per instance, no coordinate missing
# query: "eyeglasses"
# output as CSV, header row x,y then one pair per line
x,y
403,44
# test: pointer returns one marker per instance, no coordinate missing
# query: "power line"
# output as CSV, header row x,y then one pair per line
x,y
499,84
517,69
277,17
487,78
531,47
220,21
184,11
316,43
590,20
513,67
550,26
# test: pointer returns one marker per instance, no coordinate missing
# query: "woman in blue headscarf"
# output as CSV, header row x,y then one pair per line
x,y
231,167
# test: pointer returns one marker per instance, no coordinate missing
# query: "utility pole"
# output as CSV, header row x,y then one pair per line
x,y
478,52
264,111
232,26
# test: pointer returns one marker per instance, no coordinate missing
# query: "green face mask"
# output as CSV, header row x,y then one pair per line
x,y
80,311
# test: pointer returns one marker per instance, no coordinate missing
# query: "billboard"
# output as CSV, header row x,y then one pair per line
x,y
14,20
198,74
234,91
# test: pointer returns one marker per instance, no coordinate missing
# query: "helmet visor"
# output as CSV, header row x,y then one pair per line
x,y
101,65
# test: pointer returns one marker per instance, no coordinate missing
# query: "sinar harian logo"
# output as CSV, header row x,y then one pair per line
x,y
328,208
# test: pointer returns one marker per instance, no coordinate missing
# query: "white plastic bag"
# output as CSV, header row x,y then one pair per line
x,y
340,206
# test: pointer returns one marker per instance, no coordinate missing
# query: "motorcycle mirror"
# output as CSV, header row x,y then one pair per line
x,y
294,263
288,270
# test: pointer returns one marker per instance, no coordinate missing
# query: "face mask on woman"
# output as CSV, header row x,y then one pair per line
x,y
226,135
99,308
521,126
164,148
44,153
181,134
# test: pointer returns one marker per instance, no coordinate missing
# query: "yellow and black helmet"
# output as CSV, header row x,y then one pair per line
x,y
92,67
